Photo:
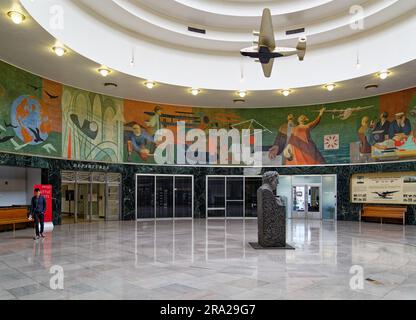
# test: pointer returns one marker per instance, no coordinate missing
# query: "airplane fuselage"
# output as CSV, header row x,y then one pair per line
x,y
262,53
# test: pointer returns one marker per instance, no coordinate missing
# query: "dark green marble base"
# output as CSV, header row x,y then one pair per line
x,y
51,174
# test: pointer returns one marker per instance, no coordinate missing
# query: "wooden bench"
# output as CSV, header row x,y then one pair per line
x,y
390,212
13,216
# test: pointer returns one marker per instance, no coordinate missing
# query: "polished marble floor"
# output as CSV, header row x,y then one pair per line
x,y
210,260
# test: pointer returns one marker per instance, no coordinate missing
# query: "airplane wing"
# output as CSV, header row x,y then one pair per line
x,y
362,108
331,111
266,37
390,192
267,68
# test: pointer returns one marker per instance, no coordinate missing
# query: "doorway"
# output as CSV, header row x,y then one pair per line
x,y
161,196
232,197
90,196
306,201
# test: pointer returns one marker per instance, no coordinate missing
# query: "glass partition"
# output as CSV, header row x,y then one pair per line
x,y
164,196
145,197
252,184
329,197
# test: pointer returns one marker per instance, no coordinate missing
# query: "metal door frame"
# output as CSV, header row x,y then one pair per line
x,y
306,211
154,175
90,184
225,196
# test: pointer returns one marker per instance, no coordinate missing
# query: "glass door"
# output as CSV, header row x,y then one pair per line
x,y
145,196
164,197
314,202
252,184
306,201
298,202
113,202
235,197
83,202
68,203
97,202
215,197
183,197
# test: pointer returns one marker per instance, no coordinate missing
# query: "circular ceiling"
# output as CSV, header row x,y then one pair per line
x,y
155,34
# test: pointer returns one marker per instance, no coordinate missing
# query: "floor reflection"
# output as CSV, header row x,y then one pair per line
x,y
209,259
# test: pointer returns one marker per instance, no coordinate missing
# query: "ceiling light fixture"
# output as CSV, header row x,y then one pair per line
x,y
104,71
383,74
149,84
195,91
59,50
286,92
242,93
16,17
330,86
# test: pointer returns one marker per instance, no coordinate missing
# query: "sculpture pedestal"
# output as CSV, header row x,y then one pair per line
x,y
271,220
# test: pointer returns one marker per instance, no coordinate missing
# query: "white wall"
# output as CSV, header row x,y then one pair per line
x,y
16,185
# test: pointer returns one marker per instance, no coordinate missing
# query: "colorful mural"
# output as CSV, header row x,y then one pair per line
x,y
92,126
30,113
45,118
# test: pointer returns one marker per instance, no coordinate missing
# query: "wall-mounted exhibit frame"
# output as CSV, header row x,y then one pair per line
x,y
384,188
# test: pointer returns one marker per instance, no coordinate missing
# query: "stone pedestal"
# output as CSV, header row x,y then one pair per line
x,y
271,219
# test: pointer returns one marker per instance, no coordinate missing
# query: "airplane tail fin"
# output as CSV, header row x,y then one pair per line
x,y
267,68
301,47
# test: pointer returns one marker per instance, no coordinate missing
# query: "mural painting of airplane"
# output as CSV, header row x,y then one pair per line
x,y
385,194
344,114
264,50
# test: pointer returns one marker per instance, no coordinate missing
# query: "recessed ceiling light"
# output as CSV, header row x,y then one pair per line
x,y
383,74
16,16
242,93
195,91
104,71
59,50
149,84
330,86
286,92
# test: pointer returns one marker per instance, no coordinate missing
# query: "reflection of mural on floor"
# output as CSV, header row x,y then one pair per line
x,y
29,122
92,126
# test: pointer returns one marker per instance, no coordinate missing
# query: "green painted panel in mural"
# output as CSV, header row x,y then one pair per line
x,y
30,113
92,126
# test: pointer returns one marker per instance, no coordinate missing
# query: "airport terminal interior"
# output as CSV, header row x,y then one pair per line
x,y
208,149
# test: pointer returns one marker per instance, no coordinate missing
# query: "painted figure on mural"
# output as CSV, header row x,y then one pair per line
x,y
154,123
282,138
400,126
301,149
365,136
381,130
138,141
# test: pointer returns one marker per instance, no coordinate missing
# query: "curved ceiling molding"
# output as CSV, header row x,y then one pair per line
x,y
168,53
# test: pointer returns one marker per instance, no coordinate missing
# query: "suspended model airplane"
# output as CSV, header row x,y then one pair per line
x,y
265,49
344,114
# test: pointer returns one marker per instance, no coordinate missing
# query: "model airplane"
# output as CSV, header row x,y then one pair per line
x,y
385,194
265,49
344,114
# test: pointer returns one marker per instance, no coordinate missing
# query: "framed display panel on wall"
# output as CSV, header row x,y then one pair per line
x,y
384,188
